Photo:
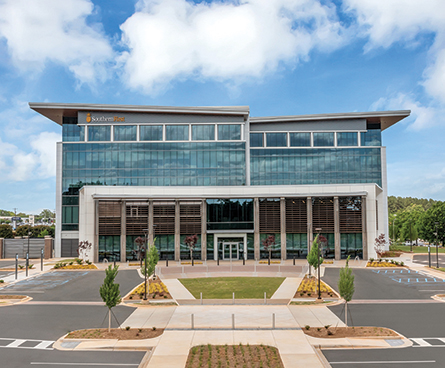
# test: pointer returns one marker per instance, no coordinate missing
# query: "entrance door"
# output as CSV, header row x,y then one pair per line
x,y
230,251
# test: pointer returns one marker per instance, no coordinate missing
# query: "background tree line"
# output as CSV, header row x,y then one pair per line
x,y
414,218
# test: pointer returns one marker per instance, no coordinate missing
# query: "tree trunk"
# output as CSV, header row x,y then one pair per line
x,y
346,314
109,319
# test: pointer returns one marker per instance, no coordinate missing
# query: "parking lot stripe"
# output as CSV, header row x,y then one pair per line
x,y
15,344
87,364
387,362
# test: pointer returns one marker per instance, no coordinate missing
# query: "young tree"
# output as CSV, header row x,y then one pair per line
x,y
380,244
150,261
313,258
191,241
109,291
84,249
268,243
346,286
140,248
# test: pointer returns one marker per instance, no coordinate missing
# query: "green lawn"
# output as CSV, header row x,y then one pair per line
x,y
223,287
406,248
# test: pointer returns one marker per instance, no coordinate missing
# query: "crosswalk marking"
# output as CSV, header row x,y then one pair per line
x,y
421,342
15,344
18,344
43,345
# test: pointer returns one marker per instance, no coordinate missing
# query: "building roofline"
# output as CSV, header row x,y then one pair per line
x,y
56,111
385,118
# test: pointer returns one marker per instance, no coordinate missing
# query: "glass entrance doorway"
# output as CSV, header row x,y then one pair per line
x,y
230,251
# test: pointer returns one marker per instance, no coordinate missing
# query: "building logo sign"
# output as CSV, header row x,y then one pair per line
x,y
104,119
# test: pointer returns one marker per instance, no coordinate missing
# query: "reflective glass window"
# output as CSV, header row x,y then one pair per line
x,y
371,138
256,139
73,133
229,132
99,133
323,139
125,132
300,139
150,133
276,139
176,132
203,132
229,214
347,139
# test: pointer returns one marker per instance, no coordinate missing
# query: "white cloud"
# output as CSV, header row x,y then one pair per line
x,y
421,116
37,32
233,40
387,22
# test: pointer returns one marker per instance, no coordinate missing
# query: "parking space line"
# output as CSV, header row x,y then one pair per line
x,y
387,362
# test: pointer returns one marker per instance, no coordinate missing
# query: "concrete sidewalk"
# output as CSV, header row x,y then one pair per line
x,y
288,288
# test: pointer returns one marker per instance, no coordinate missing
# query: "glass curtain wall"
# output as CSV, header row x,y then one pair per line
x,y
296,245
185,250
351,245
109,247
315,166
276,247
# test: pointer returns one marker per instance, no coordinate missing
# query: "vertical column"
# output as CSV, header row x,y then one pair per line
x,y
96,231
203,230
283,227
310,231
48,247
337,229
256,222
123,231
177,231
364,229
151,228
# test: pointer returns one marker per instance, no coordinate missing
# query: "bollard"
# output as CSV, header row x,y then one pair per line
x,y
200,296
244,261
166,262
273,321
294,260
265,300
193,261
27,263
233,321
16,265
193,321
217,260
41,260
114,260
233,298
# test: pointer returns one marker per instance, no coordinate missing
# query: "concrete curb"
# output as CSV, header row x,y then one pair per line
x,y
9,302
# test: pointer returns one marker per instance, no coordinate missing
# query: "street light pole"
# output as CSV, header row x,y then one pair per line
x,y
437,247
410,236
318,261
145,264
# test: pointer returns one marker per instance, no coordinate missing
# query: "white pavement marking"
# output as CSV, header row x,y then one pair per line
x,y
15,344
421,342
87,364
388,362
43,345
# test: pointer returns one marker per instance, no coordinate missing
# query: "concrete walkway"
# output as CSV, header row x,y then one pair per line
x,y
177,290
288,288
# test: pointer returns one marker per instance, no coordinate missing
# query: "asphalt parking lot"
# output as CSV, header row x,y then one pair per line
x,y
423,259
73,286
389,284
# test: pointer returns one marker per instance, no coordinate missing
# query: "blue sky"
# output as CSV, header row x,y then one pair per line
x,y
280,57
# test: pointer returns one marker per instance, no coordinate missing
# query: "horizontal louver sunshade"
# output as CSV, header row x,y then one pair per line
x,y
350,214
109,218
269,215
296,215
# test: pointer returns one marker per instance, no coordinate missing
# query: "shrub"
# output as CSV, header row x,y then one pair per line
x,y
327,326
127,328
402,264
2,281
153,328
31,266
371,259
78,261
71,263
330,332
307,327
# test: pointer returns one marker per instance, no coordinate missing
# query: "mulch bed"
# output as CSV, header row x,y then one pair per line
x,y
231,356
337,332
116,333
12,296
309,289
135,296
